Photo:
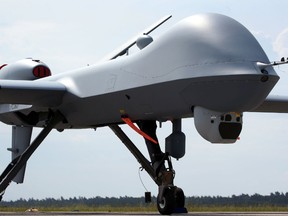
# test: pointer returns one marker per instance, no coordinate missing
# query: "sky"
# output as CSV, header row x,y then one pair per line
x,y
70,34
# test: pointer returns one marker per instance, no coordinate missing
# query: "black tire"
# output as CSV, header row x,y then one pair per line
x,y
166,204
179,198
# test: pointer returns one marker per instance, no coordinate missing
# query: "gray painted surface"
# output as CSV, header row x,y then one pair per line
x,y
206,60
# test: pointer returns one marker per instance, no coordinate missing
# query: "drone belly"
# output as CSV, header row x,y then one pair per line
x,y
157,101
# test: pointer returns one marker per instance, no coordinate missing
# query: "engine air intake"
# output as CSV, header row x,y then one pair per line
x,y
41,71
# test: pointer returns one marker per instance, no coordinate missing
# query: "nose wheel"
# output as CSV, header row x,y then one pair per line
x,y
171,200
166,201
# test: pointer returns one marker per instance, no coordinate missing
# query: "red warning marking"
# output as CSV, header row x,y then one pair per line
x,y
130,123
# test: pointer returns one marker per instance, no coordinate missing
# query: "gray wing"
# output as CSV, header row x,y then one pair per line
x,y
40,93
274,103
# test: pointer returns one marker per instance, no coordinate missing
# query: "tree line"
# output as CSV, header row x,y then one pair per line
x,y
274,199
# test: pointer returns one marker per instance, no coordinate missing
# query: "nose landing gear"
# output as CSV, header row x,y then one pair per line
x,y
170,198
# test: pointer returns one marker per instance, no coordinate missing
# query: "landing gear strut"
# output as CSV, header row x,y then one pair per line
x,y
170,198
19,162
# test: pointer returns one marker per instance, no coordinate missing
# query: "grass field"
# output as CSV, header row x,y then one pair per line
x,y
149,208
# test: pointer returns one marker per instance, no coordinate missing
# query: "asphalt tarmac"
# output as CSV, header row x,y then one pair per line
x,y
147,214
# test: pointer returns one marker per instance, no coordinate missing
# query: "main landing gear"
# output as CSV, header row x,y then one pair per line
x,y
170,198
18,163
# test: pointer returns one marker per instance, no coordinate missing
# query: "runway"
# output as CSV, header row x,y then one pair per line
x,y
146,214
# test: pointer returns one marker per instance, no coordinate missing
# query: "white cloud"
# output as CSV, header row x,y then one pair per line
x,y
280,45
262,34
